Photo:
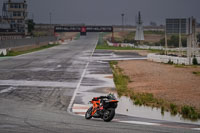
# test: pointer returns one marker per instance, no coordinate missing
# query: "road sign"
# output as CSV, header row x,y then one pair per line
x,y
83,31
174,26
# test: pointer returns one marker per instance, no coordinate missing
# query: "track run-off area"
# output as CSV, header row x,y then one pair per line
x,y
47,91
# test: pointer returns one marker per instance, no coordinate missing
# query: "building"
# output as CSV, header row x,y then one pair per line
x,y
15,13
4,24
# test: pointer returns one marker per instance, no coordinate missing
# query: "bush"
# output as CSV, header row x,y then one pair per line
x,y
138,102
173,109
194,61
189,112
162,110
170,62
174,41
1,54
198,37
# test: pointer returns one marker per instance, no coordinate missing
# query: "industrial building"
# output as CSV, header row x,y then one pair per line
x,y
15,13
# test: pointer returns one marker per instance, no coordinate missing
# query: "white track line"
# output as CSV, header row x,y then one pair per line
x,y
7,90
198,129
79,110
118,59
78,85
141,123
36,83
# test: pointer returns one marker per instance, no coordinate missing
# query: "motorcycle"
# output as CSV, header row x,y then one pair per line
x,y
103,107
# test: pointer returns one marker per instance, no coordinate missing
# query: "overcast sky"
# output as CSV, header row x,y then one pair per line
x,y
108,12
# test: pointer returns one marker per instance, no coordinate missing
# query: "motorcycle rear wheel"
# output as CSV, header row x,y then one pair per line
x,y
109,114
88,114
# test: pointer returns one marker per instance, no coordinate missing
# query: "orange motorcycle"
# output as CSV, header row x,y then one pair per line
x,y
103,107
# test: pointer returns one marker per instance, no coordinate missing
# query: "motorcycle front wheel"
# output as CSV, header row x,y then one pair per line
x,y
109,114
88,114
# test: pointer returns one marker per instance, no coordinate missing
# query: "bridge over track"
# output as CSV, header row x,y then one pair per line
x,y
84,29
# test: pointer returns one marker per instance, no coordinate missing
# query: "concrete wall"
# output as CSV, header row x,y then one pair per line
x,y
166,59
5,44
120,44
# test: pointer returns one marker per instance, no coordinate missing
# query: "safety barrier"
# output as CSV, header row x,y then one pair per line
x,y
166,59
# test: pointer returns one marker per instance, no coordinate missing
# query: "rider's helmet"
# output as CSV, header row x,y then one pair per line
x,y
111,96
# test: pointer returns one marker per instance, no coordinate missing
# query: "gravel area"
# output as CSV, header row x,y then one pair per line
x,y
174,84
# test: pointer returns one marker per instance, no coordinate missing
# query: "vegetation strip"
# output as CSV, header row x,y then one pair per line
x,y
121,82
15,53
196,73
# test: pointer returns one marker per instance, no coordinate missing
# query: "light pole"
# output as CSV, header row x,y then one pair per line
x,y
122,21
50,15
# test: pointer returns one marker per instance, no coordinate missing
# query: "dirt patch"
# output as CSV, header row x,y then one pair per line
x,y
174,84
68,35
152,38
109,77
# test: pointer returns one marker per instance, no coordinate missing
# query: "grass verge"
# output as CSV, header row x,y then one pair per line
x,y
15,53
77,36
106,47
121,82
196,73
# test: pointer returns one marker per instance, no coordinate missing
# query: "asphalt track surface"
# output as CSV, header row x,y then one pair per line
x,y
36,90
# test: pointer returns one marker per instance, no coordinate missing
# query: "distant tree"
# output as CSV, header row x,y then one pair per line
x,y
162,42
184,42
153,23
31,25
198,37
174,41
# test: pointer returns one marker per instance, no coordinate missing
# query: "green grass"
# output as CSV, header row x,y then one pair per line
x,y
156,51
147,99
106,47
77,36
120,80
15,53
189,112
196,73
154,32
179,65
173,109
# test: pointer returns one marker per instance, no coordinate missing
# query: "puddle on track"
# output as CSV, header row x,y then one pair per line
x,y
126,107
126,103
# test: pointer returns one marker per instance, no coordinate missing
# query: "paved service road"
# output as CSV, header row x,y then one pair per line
x,y
36,89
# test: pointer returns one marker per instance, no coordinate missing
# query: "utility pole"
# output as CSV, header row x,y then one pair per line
x,y
180,39
122,21
165,40
50,15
